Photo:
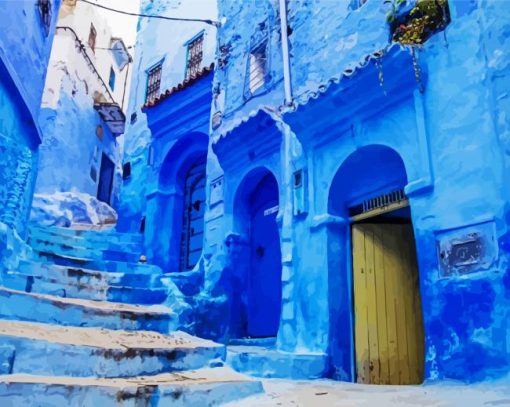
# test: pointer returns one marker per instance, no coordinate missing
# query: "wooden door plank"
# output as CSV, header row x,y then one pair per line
x,y
360,305
372,304
414,326
390,266
382,312
400,307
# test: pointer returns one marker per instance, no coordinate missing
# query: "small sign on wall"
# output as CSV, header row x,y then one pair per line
x,y
467,249
270,211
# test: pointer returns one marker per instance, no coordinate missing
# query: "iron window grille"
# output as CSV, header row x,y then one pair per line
x,y
257,71
153,83
92,38
195,56
377,203
45,13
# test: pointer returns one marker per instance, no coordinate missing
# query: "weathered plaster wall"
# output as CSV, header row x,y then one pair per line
x,y
151,49
24,52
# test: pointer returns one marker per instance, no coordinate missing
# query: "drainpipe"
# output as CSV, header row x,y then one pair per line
x,y
285,52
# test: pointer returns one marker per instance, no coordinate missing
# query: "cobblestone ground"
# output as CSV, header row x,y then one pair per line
x,y
326,393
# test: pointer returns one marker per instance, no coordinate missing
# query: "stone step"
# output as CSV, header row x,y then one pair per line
x,y
91,235
66,249
73,275
43,349
260,361
44,308
102,265
204,387
72,288
105,243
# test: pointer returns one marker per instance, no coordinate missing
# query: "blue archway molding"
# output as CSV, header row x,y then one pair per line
x,y
166,204
240,266
365,173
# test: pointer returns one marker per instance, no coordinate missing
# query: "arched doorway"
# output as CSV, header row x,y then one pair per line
x,y
174,228
368,189
192,235
255,212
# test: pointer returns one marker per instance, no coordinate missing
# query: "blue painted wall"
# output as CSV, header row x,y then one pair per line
x,y
25,45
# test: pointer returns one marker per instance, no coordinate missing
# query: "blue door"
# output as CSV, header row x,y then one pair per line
x,y
265,287
104,190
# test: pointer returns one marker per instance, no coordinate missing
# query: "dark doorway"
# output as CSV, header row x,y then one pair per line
x,y
104,190
265,288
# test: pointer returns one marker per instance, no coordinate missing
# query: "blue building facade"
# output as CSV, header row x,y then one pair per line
x,y
377,121
355,163
25,45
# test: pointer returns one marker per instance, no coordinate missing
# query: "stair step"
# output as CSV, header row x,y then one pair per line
x,y
77,275
260,361
204,387
104,243
66,249
73,288
19,305
90,235
103,265
43,349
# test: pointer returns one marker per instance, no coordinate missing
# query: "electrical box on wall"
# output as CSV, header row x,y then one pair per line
x,y
467,249
299,183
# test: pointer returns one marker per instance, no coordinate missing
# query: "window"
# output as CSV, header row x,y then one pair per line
x,y
195,55
258,67
153,83
134,118
92,38
126,170
111,82
45,13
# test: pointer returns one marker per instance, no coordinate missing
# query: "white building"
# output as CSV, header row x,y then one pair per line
x,y
83,107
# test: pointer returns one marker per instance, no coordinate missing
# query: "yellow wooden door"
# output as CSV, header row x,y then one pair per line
x,y
387,307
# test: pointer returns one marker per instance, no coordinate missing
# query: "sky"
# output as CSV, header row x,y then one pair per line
x,y
122,26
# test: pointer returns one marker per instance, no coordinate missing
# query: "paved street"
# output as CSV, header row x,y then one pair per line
x,y
325,393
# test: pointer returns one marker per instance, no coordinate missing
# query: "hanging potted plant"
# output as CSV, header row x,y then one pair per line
x,y
414,22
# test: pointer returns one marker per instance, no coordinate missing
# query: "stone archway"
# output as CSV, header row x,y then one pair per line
x,y
174,225
378,266
259,268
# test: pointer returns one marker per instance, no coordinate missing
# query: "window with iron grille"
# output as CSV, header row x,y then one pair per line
x,y
257,70
92,38
153,82
45,13
195,56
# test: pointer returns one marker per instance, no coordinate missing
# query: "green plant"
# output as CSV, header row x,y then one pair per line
x,y
423,20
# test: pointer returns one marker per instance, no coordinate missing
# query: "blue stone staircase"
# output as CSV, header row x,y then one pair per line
x,y
85,323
